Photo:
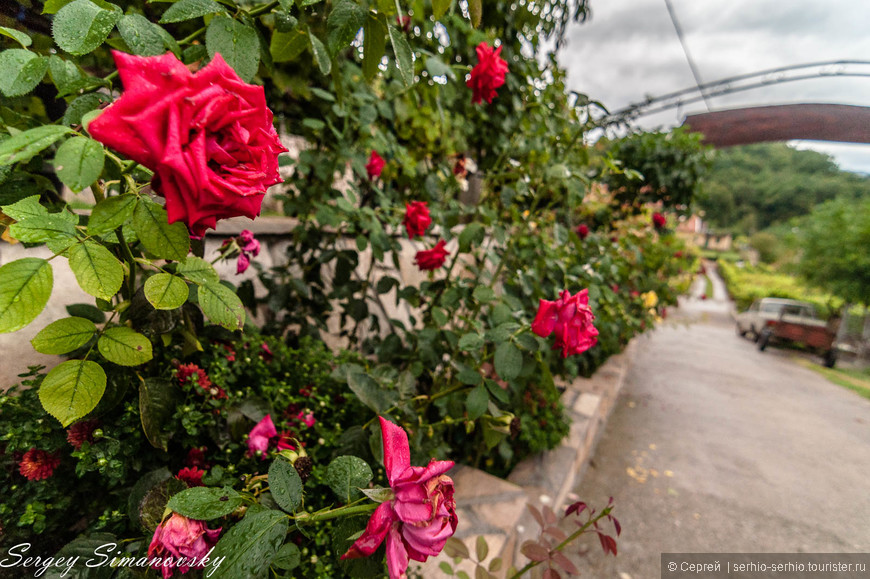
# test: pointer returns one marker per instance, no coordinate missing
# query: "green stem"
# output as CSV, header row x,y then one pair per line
x,y
263,9
345,511
131,262
193,36
440,291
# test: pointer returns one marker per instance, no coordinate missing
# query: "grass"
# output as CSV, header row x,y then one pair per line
x,y
855,380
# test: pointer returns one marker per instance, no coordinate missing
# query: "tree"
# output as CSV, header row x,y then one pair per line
x,y
834,239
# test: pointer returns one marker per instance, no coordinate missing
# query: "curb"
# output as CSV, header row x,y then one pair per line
x,y
495,508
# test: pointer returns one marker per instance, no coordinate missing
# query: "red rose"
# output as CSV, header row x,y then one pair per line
x,y
417,219
570,317
488,75
430,259
404,22
659,220
582,231
207,136
375,165
192,476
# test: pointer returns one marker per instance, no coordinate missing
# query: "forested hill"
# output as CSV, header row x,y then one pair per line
x,y
754,186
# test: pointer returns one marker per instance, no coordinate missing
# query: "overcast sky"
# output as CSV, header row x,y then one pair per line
x,y
629,49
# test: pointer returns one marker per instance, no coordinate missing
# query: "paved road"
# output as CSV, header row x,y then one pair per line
x,y
716,447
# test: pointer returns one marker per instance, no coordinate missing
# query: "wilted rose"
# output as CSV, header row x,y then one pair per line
x,y
420,517
181,538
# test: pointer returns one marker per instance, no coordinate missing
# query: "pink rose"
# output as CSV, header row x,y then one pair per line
x,y
307,418
248,243
179,537
488,75
571,319
431,259
242,264
419,518
417,219
375,165
207,136
260,436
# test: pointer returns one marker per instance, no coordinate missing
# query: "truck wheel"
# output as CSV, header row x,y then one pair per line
x,y
755,334
763,340
830,358
740,331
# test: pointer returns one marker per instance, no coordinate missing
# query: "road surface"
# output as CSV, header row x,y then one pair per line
x,y
714,446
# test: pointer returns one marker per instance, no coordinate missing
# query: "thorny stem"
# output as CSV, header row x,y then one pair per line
x,y
532,564
440,291
347,510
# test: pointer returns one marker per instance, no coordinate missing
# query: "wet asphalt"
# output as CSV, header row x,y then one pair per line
x,y
714,446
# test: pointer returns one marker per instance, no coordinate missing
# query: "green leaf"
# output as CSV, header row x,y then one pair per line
x,y
25,286
141,35
111,213
470,341
508,361
287,46
158,400
190,9
197,270
22,71
344,22
25,209
205,504
404,56
52,6
87,311
476,402
288,557
321,56
98,272
438,67
374,44
250,546
346,475
81,26
440,7
472,235
483,294
124,346
83,105
369,392
165,291
475,11
64,336
23,146
72,389
42,229
63,73
221,305
285,484
160,239
237,43
17,36
481,548
79,162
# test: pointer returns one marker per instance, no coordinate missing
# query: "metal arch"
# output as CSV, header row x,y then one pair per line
x,y
731,85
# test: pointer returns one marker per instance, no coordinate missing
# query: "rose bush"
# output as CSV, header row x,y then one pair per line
x,y
172,402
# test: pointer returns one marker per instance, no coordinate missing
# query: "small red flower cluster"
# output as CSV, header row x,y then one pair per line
x,y
38,464
582,231
192,374
571,319
81,432
191,475
488,75
659,220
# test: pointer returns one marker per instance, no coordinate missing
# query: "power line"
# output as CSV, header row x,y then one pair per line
x,y
689,59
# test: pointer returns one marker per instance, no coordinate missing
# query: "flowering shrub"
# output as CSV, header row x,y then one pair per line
x,y
172,425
